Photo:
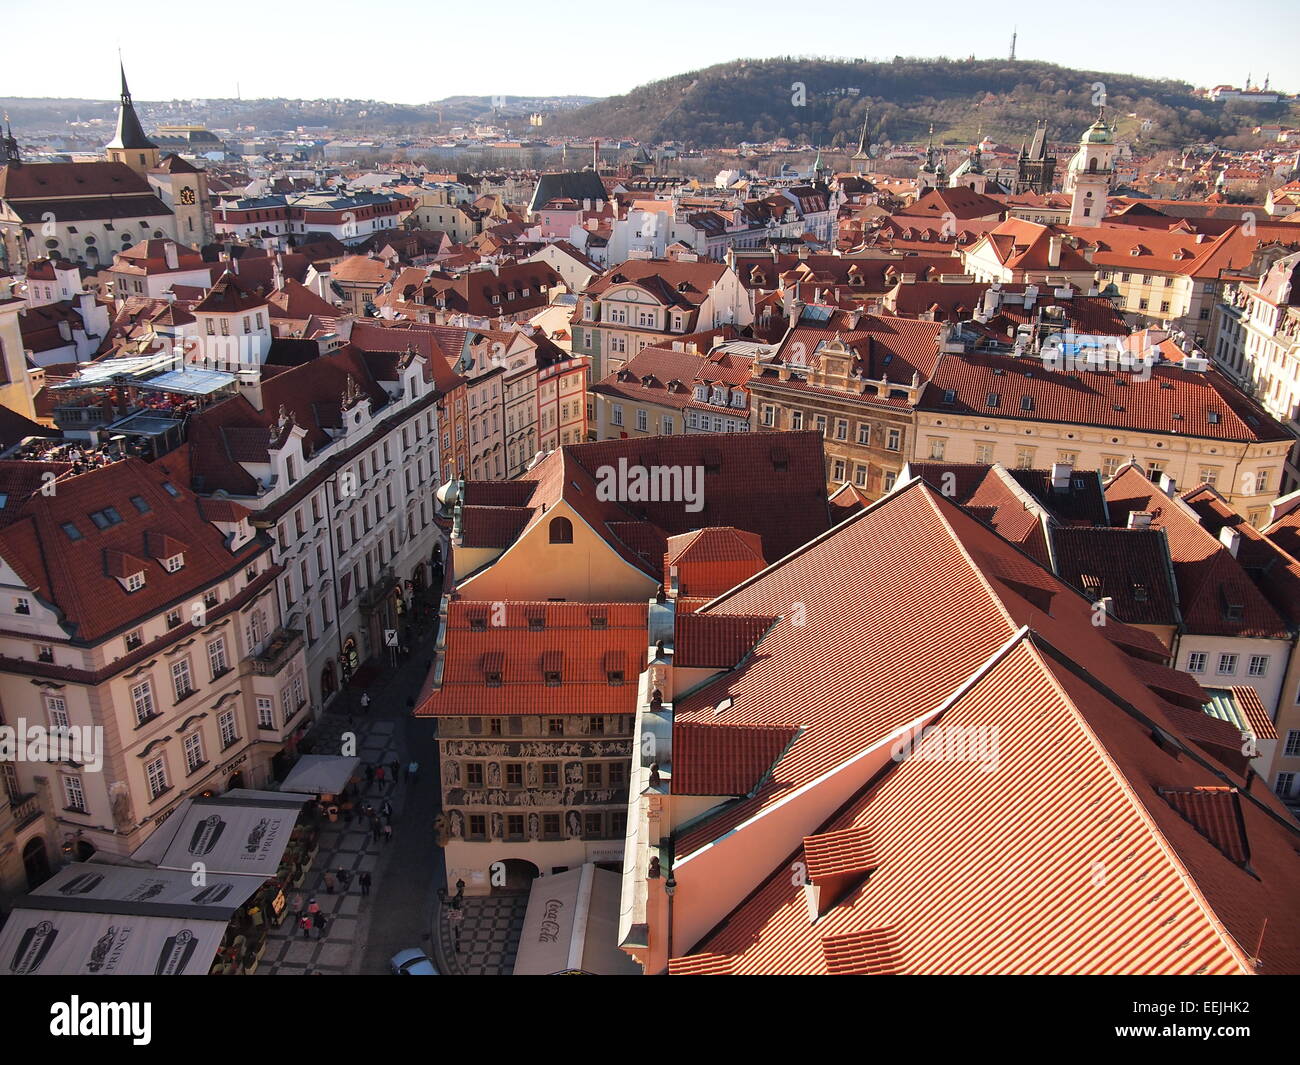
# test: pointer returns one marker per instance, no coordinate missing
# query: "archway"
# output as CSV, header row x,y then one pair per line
x,y
36,862
519,877
85,851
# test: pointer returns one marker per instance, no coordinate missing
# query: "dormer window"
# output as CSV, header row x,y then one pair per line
x,y
478,623
492,678
615,678
599,621
536,623
135,581
175,562
552,678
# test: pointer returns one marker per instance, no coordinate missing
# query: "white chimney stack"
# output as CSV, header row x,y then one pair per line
x,y
1061,472
1054,252
1230,538
1139,519
171,254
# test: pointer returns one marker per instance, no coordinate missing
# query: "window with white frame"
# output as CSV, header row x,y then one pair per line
x,y
174,563
864,433
227,729
155,774
217,661
182,680
298,691
193,751
74,796
1285,785
265,712
135,582
616,414
641,420
796,419
142,701
1196,662
1227,664
1258,666
57,710
893,440
767,414
1292,748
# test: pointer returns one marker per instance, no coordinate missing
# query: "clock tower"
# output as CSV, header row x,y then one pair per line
x,y
131,146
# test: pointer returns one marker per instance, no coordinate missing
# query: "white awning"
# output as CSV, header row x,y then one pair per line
x,y
572,926
321,774
243,835
60,943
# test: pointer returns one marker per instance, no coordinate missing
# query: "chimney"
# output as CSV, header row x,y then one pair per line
x,y
1061,472
172,255
1168,485
1230,538
1139,519
1031,294
1054,252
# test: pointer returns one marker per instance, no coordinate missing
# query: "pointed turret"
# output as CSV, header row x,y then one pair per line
x,y
131,146
11,153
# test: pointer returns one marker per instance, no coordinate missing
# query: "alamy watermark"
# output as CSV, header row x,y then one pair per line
x,y
83,744
951,743
626,483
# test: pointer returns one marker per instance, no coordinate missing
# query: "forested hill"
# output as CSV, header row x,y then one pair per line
x,y
818,101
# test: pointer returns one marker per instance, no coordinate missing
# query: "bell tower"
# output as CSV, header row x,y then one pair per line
x,y
1090,173
131,146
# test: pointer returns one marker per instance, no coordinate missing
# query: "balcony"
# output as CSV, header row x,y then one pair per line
x,y
276,652
370,599
25,809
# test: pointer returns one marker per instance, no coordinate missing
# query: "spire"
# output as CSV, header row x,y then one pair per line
x,y
130,134
862,140
11,153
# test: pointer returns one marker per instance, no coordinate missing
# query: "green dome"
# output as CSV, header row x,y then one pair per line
x,y
1098,133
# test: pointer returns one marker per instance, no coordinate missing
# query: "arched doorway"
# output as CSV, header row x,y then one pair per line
x,y
236,781
519,877
85,851
36,862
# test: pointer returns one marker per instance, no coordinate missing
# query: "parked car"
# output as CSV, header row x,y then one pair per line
x,y
412,962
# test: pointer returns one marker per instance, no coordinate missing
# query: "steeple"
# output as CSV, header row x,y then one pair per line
x,y
11,153
862,140
929,148
131,146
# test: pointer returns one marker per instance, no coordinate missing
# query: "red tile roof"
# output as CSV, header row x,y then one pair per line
x,y
725,759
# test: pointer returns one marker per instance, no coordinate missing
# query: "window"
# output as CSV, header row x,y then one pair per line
x,y
1025,458
937,446
477,826
1258,666
1196,662
860,476
74,798
839,470
217,657
561,531
134,639
767,415
596,726
553,678
890,479
193,751
667,425
514,774
265,712
494,726
593,776
22,605
135,582
44,652
1285,785
893,439
984,454
796,419
864,434
615,774
555,726
841,429
226,727
156,775
182,682
57,709
1110,464
1292,748
139,503
641,421
550,774
142,701
551,826
1227,664
70,530
616,414
171,565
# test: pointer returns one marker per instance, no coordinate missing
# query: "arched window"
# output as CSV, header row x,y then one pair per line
x,y
1092,166
561,531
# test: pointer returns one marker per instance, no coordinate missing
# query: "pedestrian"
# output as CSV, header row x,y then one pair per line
x,y
387,809
364,881
365,702
375,829
313,907
412,769
295,905
345,878
370,775
320,923
329,882
305,923
388,832
396,766
379,777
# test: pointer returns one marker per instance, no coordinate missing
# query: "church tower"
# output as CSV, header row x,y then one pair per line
x,y
131,146
1089,176
861,161
929,175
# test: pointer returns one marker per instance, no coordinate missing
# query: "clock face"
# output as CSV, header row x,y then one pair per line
x,y
187,196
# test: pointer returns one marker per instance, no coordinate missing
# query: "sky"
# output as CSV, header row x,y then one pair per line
x,y
605,49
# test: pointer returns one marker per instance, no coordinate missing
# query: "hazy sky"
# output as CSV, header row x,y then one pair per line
x,y
320,49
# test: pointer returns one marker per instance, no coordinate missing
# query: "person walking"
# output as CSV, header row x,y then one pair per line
x,y
305,923
344,878
370,775
364,881
329,882
388,831
396,766
375,827
379,777
387,810
313,907
411,770
320,921
365,702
